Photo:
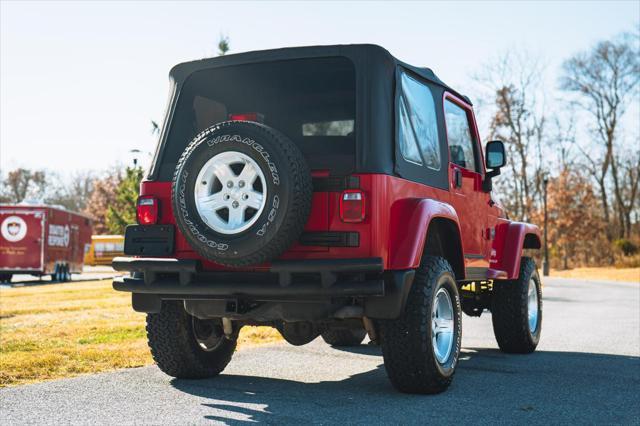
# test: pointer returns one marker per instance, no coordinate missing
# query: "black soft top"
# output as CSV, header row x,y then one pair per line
x,y
364,56
376,71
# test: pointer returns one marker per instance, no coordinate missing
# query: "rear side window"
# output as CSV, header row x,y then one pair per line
x,y
459,136
418,126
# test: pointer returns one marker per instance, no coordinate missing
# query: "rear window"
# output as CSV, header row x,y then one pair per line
x,y
312,101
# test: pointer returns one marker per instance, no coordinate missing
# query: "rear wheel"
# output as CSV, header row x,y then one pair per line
x,y
186,347
516,310
344,337
421,348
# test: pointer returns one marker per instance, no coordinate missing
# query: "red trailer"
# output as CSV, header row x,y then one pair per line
x,y
42,240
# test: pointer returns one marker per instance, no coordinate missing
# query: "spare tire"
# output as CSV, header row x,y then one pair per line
x,y
241,193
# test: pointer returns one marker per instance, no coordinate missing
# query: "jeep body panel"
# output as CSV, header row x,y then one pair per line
x,y
511,238
409,224
403,211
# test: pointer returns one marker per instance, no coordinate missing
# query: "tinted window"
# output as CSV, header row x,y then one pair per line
x,y
418,131
312,101
459,136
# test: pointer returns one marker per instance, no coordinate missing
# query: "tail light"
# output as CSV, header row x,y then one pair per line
x,y
247,116
352,205
147,212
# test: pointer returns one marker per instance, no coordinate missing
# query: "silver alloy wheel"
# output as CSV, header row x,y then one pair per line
x,y
442,325
230,202
532,306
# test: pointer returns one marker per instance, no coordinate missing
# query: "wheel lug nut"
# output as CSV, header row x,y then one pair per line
x,y
226,197
229,184
241,184
204,182
245,196
235,204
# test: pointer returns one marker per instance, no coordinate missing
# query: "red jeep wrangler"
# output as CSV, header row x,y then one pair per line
x,y
327,191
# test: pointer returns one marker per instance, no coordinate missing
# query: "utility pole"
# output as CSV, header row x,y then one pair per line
x,y
545,261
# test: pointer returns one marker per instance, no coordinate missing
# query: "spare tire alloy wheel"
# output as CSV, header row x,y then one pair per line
x,y
241,193
227,202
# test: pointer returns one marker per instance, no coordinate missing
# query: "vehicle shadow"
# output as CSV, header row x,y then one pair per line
x,y
490,387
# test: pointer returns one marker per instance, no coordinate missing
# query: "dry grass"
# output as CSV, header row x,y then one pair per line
x,y
606,274
54,331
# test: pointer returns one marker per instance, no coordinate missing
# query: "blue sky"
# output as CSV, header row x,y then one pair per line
x,y
80,81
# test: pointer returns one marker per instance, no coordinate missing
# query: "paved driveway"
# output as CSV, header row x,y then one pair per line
x,y
587,370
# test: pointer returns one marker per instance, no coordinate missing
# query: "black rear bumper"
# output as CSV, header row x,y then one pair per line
x,y
288,278
383,293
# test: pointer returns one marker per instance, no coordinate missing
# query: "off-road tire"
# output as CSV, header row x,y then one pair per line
x,y
408,353
288,193
509,311
344,337
174,347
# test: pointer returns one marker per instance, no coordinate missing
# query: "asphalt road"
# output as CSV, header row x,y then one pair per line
x,y
586,370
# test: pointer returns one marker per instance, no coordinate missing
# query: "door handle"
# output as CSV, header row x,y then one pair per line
x,y
457,178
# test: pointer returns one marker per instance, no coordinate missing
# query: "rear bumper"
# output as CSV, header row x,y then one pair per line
x,y
155,279
285,279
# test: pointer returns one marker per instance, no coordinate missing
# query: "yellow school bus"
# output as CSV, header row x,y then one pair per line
x,y
103,249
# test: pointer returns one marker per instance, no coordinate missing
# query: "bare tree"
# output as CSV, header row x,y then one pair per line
x,y
74,192
605,80
21,184
626,177
514,83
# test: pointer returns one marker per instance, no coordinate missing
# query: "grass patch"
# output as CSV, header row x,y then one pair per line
x,y
603,274
63,330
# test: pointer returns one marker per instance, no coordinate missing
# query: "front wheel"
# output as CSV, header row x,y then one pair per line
x,y
516,310
421,348
186,347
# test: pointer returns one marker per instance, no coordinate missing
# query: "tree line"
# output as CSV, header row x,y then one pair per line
x,y
108,197
575,148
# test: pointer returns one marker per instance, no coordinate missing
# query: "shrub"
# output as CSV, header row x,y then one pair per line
x,y
627,247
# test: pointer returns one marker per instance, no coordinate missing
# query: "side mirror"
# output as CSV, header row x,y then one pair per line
x,y
495,158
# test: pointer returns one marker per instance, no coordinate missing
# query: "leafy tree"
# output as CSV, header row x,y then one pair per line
x,y
223,45
122,211
575,222
103,196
